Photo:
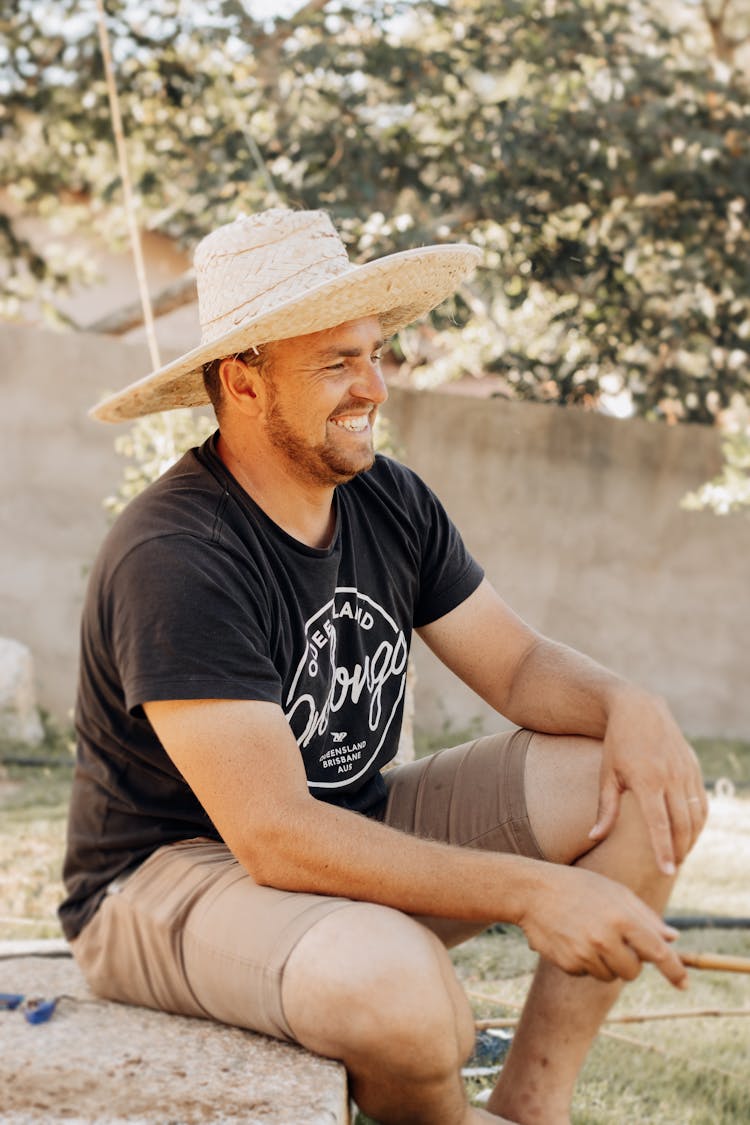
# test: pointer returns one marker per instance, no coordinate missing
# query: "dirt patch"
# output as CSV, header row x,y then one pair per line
x,y
99,1062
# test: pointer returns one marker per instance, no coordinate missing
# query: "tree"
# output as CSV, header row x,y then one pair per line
x,y
729,491
594,148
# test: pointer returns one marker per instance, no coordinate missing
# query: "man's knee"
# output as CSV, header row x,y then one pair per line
x,y
370,982
562,793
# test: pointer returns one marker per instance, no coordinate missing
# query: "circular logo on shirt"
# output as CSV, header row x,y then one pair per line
x,y
347,687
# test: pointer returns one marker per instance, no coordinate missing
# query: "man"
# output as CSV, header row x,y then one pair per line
x,y
235,848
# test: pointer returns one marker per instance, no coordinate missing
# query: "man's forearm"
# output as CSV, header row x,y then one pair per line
x,y
560,691
241,760
570,915
535,682
333,851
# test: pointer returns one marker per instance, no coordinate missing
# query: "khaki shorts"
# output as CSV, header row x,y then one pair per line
x,y
190,932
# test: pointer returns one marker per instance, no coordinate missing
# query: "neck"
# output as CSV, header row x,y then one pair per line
x,y
304,511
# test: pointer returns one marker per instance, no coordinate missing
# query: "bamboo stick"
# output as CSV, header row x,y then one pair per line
x,y
677,1014
700,1064
719,961
633,1017
127,190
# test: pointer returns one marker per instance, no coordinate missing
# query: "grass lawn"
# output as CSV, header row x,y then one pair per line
x,y
691,1071
33,810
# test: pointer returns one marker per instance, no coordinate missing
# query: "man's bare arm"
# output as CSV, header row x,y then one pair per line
x,y
242,762
549,687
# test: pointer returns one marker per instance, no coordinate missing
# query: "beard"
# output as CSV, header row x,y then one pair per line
x,y
323,463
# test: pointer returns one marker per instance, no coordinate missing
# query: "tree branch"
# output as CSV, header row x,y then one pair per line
x,y
724,45
174,296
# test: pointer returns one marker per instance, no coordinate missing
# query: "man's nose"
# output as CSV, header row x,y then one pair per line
x,y
370,383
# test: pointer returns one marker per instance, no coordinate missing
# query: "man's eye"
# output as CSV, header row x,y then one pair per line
x,y
376,357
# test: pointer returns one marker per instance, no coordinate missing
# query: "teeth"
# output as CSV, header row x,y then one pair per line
x,y
355,425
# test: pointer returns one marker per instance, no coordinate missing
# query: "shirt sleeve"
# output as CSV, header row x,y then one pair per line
x,y
187,623
448,573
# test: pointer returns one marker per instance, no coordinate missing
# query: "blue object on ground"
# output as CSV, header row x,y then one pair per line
x,y
10,1000
490,1047
39,1011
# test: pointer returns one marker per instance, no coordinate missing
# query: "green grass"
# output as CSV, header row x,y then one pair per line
x,y
724,758
678,1072
33,810
671,1072
688,1072
427,742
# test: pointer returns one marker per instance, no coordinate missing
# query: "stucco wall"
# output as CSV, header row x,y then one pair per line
x,y
57,465
576,518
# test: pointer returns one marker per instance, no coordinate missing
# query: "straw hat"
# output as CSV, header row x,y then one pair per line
x,y
285,273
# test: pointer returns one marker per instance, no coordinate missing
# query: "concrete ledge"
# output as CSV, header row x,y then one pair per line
x,y
99,1063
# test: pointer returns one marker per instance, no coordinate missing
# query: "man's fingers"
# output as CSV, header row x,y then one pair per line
x,y
609,807
688,815
670,966
654,946
623,962
592,925
682,826
698,809
657,817
674,822
667,961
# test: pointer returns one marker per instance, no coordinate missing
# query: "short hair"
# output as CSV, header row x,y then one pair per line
x,y
253,357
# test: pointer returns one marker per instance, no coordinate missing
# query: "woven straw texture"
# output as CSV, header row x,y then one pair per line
x,y
281,274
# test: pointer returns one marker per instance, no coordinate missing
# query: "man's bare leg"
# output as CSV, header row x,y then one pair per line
x,y
394,1012
374,988
562,1013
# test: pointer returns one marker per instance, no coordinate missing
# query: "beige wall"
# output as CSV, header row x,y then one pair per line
x,y
576,518
56,466
113,282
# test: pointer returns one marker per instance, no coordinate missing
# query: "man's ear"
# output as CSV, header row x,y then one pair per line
x,y
240,384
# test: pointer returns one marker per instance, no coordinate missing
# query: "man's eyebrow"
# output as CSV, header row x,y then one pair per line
x,y
348,353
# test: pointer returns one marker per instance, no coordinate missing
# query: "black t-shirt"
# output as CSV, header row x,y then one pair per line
x,y
197,594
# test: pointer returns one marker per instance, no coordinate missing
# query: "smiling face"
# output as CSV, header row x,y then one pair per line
x,y
322,394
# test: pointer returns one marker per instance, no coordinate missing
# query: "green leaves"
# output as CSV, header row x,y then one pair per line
x,y
598,150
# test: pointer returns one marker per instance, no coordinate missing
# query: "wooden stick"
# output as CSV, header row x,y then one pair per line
x,y
700,1064
718,961
127,190
634,1017
677,1014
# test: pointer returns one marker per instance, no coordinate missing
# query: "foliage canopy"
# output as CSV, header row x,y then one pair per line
x,y
598,150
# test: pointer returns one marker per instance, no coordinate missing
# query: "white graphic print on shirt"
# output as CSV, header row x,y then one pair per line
x,y
352,678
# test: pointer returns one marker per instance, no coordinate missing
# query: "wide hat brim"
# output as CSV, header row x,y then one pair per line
x,y
399,289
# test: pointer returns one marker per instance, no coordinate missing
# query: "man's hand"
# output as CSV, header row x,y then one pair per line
x,y
549,687
644,751
587,924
